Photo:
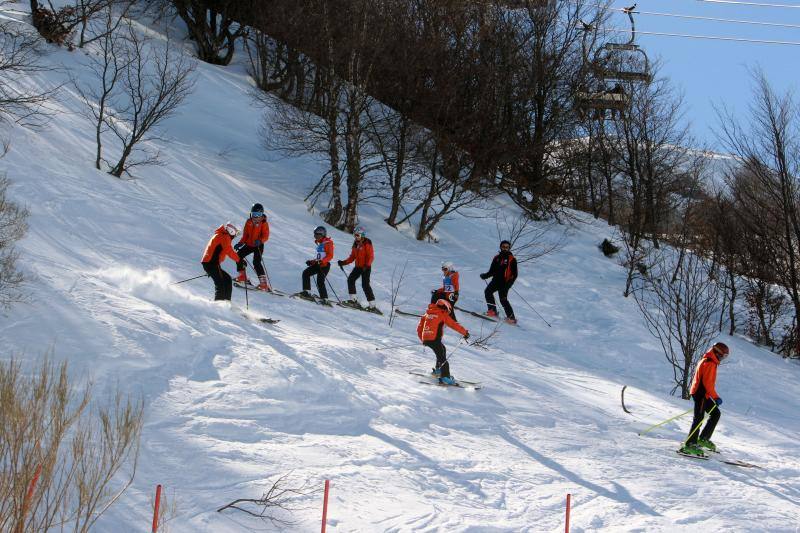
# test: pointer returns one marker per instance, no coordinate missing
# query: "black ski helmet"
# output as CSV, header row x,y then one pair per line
x,y
257,208
505,242
320,230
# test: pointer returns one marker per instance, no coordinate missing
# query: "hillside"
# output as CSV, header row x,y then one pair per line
x,y
231,404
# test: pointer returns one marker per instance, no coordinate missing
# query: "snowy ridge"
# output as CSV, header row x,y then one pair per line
x,y
231,403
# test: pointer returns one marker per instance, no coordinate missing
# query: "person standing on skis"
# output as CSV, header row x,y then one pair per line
x,y
217,249
503,272
320,265
430,331
706,400
363,254
255,234
449,289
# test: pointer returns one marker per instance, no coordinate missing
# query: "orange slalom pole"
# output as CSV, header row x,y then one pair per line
x,y
325,505
155,508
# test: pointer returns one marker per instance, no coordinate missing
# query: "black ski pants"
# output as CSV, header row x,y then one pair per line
x,y
321,272
499,286
223,284
364,274
702,406
441,355
246,250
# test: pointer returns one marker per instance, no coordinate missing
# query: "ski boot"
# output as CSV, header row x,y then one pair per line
x,y
242,278
436,372
263,285
511,320
491,313
449,380
691,449
707,444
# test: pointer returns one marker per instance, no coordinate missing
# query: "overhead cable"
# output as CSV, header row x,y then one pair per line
x,y
715,19
758,4
707,37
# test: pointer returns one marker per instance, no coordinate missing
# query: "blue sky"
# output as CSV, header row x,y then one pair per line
x,y
716,71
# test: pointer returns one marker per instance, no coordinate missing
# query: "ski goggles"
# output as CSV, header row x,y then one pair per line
x,y
257,214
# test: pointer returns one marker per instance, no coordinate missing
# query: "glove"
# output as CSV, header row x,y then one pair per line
x,y
466,335
453,297
238,246
310,262
257,243
485,276
718,401
340,262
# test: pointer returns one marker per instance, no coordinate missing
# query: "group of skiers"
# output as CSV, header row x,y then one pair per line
x,y
441,311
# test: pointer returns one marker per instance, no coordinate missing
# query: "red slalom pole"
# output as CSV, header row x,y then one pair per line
x,y
325,505
155,508
566,527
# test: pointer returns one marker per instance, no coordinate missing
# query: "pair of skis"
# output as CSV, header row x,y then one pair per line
x,y
432,379
706,457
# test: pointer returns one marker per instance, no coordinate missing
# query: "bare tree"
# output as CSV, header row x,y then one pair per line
x,y
108,67
397,285
19,57
526,236
61,462
93,18
154,82
679,310
765,186
211,27
275,503
13,226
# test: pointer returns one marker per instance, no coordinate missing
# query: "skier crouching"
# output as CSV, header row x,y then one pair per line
x,y
217,249
706,400
430,331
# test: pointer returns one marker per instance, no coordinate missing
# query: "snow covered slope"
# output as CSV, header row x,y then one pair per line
x,y
232,404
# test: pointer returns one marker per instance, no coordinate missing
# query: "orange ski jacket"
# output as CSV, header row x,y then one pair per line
x,y
362,253
219,247
324,249
254,232
705,376
431,325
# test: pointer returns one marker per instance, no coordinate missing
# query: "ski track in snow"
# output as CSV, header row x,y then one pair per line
x,y
231,403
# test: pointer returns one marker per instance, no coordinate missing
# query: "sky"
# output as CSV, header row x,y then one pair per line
x,y
710,71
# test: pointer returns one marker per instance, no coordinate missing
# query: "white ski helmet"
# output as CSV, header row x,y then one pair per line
x,y
232,230
448,265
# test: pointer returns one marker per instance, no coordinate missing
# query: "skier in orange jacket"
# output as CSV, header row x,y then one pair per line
x,y
450,287
706,400
430,331
217,249
255,234
320,265
363,254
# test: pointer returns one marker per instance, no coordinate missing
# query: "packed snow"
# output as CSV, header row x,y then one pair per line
x,y
232,404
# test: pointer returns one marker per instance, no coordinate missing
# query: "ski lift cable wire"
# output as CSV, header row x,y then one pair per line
x,y
715,19
706,37
757,4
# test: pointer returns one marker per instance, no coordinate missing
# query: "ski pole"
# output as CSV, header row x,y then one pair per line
x,y
648,430
529,305
190,279
446,359
331,287
397,346
706,415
